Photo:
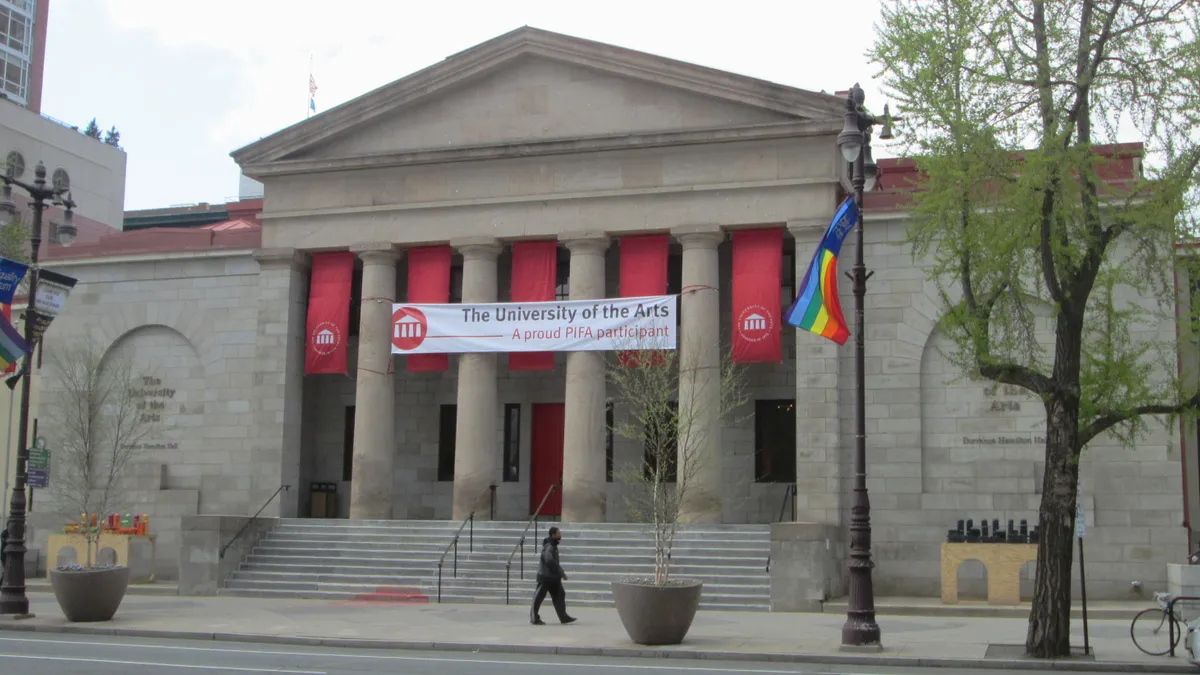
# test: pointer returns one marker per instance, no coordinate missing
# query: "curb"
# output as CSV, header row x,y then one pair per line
x,y
617,652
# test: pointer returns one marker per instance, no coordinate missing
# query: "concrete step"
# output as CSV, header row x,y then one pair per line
x,y
713,584
396,561
476,570
42,585
517,598
317,549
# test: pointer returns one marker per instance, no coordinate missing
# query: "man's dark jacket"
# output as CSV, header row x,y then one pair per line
x,y
548,567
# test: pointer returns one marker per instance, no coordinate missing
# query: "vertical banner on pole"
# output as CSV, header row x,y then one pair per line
x,y
6,310
643,274
534,273
429,282
757,268
328,320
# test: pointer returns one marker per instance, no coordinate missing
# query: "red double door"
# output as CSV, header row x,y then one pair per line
x,y
546,462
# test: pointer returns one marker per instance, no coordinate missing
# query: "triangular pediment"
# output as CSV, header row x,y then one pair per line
x,y
533,86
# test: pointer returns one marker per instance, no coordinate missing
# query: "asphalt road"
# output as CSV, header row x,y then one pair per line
x,y
37,655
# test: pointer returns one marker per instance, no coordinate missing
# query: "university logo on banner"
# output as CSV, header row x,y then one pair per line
x,y
328,312
409,328
757,271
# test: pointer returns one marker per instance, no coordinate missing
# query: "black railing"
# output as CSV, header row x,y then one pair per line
x,y
520,547
470,520
252,519
492,497
1171,618
790,492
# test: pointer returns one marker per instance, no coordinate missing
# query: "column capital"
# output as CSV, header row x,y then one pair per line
x,y
478,248
281,258
585,243
376,252
808,229
699,236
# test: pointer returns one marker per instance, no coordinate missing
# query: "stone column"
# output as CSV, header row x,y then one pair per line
x,y
476,445
700,460
373,483
818,422
278,388
584,486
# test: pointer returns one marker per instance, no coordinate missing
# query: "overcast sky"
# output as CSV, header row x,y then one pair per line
x,y
187,82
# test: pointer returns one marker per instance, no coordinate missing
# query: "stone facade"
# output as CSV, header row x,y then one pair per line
x,y
538,136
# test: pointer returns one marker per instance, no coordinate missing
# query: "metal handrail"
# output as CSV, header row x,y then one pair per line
x,y
789,492
470,520
521,544
253,518
1171,618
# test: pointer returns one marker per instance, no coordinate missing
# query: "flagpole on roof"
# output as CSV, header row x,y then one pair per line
x,y
311,92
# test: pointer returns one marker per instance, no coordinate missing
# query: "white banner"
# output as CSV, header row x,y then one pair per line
x,y
559,326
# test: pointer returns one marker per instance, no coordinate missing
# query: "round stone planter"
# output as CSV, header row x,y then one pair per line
x,y
657,615
90,594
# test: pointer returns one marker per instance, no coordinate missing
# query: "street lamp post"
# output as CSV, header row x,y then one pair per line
x,y
41,197
860,629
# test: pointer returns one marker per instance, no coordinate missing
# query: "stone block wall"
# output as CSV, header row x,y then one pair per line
x,y
189,326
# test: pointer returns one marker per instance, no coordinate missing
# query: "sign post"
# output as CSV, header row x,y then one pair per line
x,y
1080,531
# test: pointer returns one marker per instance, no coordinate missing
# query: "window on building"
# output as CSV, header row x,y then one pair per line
x,y
448,418
675,282
787,279
512,442
562,282
608,442
775,441
355,300
456,283
661,440
348,445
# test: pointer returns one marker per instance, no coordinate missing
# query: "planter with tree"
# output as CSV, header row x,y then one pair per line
x,y
98,428
667,408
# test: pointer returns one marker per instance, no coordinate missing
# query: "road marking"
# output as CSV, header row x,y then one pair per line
x,y
162,665
387,657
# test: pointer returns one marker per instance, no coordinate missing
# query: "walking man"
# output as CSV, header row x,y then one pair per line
x,y
550,576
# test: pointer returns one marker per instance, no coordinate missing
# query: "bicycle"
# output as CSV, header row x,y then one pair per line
x,y
1157,626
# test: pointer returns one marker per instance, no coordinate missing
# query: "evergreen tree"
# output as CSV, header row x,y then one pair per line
x,y
112,137
92,130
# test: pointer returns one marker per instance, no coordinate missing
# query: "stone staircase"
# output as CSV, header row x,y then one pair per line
x,y
397,561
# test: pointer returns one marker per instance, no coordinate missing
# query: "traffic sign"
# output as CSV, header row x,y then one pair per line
x,y
1080,525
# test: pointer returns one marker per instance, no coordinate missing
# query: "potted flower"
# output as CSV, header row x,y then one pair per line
x,y
98,428
646,381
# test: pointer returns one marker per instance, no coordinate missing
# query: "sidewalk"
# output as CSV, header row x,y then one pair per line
x,y
800,638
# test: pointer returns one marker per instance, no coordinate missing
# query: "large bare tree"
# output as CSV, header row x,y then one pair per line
x,y
99,427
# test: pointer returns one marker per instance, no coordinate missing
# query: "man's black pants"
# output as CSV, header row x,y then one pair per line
x,y
557,595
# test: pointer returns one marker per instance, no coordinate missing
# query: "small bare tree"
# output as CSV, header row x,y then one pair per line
x,y
646,386
99,427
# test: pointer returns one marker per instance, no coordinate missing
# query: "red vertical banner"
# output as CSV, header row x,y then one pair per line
x,y
7,311
643,273
757,267
429,282
534,273
328,312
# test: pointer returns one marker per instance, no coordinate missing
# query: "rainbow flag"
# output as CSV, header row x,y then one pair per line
x,y
817,308
12,345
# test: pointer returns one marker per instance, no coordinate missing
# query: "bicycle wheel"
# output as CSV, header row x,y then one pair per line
x,y
1151,631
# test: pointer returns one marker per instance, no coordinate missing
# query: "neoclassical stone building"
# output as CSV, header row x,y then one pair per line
x,y
535,136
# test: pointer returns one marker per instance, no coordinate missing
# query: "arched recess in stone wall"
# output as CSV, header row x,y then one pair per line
x,y
193,325
978,437
173,391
